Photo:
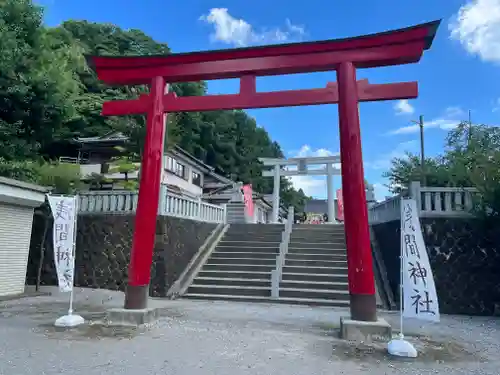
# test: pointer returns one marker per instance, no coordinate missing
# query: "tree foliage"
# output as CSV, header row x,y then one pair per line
x,y
471,158
48,96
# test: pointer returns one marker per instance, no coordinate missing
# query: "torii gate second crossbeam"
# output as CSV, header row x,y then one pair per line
x,y
302,165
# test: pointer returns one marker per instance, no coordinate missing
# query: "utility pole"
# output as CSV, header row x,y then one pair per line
x,y
420,123
469,136
422,156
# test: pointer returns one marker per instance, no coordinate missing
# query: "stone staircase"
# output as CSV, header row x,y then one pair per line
x,y
315,270
240,266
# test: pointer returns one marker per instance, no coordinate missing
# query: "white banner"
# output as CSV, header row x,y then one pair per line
x,y
64,211
419,291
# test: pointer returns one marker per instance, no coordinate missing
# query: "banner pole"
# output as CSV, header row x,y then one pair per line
x,y
70,311
401,272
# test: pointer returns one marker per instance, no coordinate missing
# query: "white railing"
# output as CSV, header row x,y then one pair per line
x,y
432,202
196,209
108,201
170,205
277,273
444,201
385,211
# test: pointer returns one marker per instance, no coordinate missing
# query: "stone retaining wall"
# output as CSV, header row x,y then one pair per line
x,y
103,251
465,259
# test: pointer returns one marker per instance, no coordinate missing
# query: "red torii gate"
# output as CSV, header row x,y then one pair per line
x,y
395,47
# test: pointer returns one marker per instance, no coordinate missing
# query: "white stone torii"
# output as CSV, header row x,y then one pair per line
x,y
302,170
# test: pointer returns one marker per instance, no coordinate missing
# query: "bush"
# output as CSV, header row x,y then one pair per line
x,y
62,178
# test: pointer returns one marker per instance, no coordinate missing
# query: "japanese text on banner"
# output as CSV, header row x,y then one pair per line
x,y
419,290
63,211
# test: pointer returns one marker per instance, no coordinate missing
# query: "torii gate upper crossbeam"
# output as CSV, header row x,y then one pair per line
x,y
396,47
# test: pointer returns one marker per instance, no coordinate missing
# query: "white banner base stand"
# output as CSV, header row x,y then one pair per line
x,y
401,348
68,321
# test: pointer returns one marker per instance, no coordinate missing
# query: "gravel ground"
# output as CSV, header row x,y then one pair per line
x,y
200,337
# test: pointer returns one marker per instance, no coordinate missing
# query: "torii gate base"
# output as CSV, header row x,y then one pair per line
x,y
390,48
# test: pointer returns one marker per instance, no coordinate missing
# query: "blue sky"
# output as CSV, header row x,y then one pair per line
x,y
460,73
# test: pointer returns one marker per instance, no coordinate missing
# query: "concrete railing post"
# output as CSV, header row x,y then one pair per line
x,y
415,194
162,205
277,273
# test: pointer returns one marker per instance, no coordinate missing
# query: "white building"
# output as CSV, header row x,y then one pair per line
x,y
184,174
17,202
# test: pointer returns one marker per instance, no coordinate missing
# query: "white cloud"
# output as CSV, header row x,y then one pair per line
x,y
476,26
403,107
449,120
307,151
240,33
384,160
314,186
381,191
496,106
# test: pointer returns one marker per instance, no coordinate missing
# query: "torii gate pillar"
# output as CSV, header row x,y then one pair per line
x,y
360,263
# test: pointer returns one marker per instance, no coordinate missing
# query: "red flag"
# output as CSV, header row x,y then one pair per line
x,y
248,197
340,205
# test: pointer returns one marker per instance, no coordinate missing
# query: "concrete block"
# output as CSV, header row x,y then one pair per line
x,y
126,317
367,332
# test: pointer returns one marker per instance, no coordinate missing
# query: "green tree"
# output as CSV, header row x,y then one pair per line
x,y
48,95
471,158
37,82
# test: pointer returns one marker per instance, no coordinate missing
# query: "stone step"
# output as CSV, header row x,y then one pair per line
x,y
235,274
255,228
316,245
316,270
251,225
240,210
312,233
315,263
295,250
311,256
315,294
291,301
239,267
311,277
317,239
328,229
243,254
252,238
256,234
233,281
225,242
317,233
254,249
230,290
318,227
319,285
249,261
322,229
